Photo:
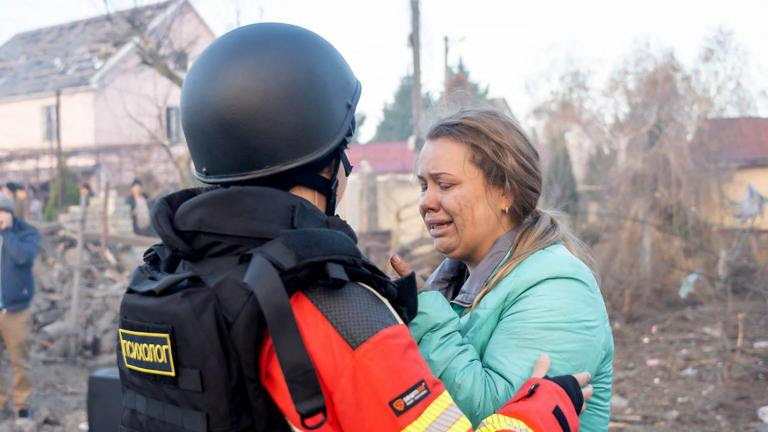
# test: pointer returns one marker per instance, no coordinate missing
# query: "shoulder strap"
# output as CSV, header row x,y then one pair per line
x,y
338,256
342,262
264,280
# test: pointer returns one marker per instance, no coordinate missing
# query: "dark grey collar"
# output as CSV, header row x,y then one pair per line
x,y
452,273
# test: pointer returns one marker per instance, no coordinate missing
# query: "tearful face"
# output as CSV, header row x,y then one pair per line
x,y
462,213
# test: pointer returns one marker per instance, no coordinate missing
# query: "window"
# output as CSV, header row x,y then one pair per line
x,y
49,123
180,61
172,124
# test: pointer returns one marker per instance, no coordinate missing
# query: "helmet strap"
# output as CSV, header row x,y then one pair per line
x,y
315,181
330,202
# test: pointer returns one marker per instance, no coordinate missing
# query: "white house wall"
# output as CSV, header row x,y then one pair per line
x,y
130,109
124,102
22,122
131,99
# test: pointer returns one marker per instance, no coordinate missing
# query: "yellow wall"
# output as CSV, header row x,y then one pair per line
x,y
735,190
398,207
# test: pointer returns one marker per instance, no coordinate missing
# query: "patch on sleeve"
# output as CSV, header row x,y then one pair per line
x,y
409,398
148,351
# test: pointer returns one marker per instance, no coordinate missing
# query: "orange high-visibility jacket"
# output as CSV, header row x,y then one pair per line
x,y
374,379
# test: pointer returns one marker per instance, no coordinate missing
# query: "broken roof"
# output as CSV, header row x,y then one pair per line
x,y
67,55
742,140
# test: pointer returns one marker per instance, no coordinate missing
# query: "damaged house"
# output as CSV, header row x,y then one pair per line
x,y
102,92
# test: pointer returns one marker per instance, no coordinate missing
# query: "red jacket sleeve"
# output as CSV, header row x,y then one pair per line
x,y
382,384
539,405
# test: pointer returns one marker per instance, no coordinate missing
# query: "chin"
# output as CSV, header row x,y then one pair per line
x,y
443,248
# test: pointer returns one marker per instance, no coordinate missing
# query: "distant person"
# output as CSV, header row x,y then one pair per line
x,y
36,211
18,248
87,192
17,192
9,189
140,209
22,203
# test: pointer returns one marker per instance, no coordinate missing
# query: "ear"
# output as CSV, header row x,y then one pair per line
x,y
507,200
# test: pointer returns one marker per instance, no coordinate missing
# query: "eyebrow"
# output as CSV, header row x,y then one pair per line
x,y
435,175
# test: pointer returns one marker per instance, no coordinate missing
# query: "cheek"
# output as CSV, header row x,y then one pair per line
x,y
461,210
465,213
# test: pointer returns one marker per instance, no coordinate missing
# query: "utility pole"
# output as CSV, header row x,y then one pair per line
x,y
416,91
446,71
59,161
74,305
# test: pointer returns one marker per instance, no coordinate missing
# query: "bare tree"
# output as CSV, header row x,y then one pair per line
x,y
720,75
154,124
657,201
158,50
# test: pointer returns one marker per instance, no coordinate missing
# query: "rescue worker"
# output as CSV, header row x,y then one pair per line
x,y
268,110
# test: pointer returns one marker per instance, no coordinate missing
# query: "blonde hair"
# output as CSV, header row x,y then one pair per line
x,y
503,153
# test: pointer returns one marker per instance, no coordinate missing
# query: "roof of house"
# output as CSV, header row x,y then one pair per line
x,y
383,157
67,55
742,140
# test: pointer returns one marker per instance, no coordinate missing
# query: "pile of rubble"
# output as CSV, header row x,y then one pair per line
x,y
104,274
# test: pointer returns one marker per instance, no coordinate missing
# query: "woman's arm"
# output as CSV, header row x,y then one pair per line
x,y
555,316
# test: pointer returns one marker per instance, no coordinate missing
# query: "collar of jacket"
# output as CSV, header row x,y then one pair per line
x,y
451,279
213,221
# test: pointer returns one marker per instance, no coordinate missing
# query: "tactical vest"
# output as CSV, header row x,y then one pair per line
x,y
189,338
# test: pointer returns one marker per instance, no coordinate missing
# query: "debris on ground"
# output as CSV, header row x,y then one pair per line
x,y
700,379
104,275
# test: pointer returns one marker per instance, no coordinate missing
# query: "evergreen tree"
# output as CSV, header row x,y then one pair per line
x,y
360,119
461,92
397,116
460,85
71,195
559,182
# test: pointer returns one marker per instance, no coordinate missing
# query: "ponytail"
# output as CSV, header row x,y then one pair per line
x,y
540,229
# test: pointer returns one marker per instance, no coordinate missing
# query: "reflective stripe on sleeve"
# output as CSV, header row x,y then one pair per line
x,y
442,415
502,423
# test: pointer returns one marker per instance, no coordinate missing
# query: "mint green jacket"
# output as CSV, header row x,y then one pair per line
x,y
550,303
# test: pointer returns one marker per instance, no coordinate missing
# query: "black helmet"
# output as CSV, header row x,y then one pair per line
x,y
265,100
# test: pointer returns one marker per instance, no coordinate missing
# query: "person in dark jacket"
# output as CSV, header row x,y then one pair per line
x,y
17,255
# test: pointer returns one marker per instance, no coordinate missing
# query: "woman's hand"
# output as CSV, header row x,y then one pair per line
x,y
403,269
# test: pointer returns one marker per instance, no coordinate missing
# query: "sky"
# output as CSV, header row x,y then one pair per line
x,y
514,47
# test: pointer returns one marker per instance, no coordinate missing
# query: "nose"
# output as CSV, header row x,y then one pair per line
x,y
428,201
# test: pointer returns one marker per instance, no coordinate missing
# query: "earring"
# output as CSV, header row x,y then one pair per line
x,y
505,210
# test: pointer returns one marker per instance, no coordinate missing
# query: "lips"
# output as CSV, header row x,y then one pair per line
x,y
438,228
